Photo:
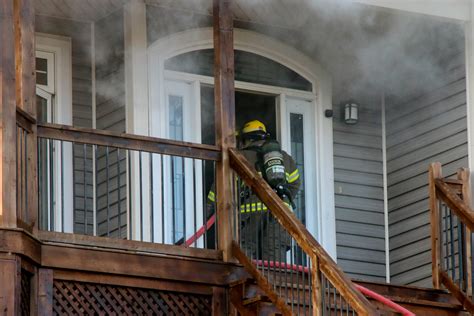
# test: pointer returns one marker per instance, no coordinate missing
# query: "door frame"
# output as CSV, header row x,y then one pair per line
x,y
60,93
249,41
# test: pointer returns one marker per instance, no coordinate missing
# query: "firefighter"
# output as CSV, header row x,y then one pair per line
x,y
260,234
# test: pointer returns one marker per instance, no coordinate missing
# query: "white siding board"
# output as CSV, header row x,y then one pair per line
x,y
422,167
358,190
358,216
358,165
359,229
358,203
361,255
418,260
410,250
425,153
360,242
358,152
413,144
357,140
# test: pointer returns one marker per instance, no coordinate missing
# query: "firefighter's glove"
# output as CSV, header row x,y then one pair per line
x,y
244,194
285,194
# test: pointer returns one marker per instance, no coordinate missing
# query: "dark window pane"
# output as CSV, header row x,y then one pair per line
x,y
177,132
42,78
249,67
41,109
42,64
297,152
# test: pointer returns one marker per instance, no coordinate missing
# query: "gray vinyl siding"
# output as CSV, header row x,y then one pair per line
x,y
110,100
423,129
80,34
358,185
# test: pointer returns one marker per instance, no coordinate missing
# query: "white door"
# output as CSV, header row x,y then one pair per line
x,y
298,139
55,157
181,209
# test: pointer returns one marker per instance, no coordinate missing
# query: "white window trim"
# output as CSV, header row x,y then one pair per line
x,y
50,70
198,39
61,114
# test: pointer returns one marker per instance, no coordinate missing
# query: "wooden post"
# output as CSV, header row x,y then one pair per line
x,y
435,173
25,60
8,192
316,287
224,94
44,292
10,280
464,175
219,302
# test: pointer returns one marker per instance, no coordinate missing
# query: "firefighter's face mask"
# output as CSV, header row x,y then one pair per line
x,y
252,131
249,138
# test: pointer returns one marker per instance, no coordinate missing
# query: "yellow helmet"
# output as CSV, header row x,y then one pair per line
x,y
254,126
253,130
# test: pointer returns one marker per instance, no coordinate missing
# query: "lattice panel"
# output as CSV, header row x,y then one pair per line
x,y
78,298
25,293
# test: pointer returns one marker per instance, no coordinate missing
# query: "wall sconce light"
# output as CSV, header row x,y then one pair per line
x,y
351,112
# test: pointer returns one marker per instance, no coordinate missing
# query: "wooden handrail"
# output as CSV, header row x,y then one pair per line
x,y
129,141
301,235
458,206
25,120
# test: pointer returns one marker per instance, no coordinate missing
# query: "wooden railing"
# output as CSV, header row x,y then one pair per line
x,y
270,243
123,186
452,227
26,172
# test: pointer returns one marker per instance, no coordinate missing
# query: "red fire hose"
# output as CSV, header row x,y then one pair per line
x,y
201,231
384,300
298,268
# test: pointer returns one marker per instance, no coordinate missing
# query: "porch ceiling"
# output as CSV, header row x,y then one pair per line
x,y
277,13
365,49
82,10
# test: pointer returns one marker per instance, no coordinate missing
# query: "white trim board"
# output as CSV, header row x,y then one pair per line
x,y
451,9
202,38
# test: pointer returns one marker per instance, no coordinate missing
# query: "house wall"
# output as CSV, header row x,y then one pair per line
x,y
110,100
422,129
80,34
358,173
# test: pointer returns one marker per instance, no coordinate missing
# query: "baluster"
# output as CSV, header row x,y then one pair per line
x,y
119,205
24,181
62,185
195,202
130,217
303,274
446,227
140,195
451,235
460,252
183,196
173,209
152,210
292,275
51,185
163,226
84,157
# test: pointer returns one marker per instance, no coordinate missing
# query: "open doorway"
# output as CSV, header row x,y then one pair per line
x,y
248,106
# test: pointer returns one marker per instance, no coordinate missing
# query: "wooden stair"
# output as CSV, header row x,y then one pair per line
x,y
421,301
249,299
